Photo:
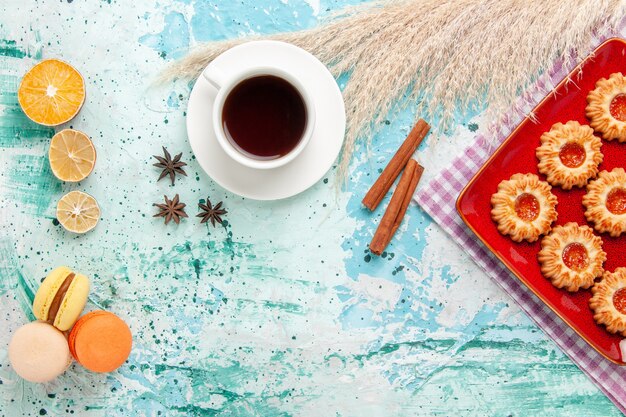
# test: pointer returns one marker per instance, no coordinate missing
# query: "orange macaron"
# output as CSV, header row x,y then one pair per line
x,y
100,341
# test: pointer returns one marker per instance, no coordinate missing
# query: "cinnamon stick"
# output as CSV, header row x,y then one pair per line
x,y
419,170
380,188
397,207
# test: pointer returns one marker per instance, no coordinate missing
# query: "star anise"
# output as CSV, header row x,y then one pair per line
x,y
172,210
211,213
170,166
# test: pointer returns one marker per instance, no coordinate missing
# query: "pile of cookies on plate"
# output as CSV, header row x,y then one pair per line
x,y
524,208
42,350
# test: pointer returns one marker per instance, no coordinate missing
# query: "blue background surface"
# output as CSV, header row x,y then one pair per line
x,y
281,311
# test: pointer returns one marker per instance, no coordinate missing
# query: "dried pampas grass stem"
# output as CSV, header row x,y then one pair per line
x,y
448,55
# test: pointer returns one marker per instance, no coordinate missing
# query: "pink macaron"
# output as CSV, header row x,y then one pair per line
x,y
38,352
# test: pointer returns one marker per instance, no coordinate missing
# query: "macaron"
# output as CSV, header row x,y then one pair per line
x,y
38,352
61,298
100,341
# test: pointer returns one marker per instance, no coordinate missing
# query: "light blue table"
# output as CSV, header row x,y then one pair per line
x,y
281,312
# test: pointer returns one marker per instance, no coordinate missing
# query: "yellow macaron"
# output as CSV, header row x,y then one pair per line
x,y
61,298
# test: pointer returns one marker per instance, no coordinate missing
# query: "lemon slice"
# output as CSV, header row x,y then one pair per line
x,y
78,212
51,93
72,155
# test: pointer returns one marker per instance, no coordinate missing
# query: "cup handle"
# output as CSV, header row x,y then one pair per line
x,y
214,76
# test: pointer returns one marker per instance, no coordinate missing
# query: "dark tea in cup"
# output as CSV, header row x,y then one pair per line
x,y
264,117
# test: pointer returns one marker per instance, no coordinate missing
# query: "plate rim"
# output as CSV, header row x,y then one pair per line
x,y
576,70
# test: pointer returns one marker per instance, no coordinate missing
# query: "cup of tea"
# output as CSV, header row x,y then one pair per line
x,y
263,116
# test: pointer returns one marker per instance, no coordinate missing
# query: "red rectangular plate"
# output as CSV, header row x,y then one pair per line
x,y
517,154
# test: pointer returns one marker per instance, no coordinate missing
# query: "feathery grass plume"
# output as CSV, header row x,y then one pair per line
x,y
448,55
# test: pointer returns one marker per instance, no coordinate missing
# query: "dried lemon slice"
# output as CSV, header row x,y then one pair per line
x,y
72,155
78,212
51,93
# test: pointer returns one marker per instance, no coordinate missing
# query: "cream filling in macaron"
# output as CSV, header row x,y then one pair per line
x,y
58,298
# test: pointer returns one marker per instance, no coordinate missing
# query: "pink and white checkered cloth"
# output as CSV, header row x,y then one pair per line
x,y
438,199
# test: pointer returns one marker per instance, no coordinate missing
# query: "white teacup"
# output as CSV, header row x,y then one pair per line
x,y
225,81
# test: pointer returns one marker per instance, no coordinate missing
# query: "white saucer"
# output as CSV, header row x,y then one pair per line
x,y
314,161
